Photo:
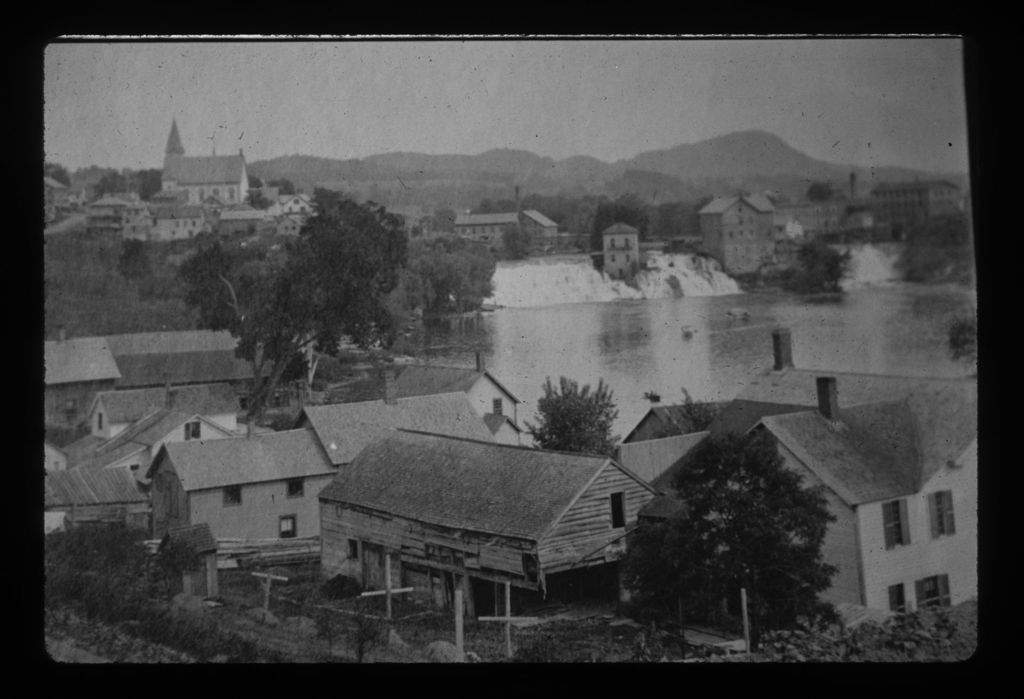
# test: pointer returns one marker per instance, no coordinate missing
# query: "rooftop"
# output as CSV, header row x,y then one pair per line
x,y
720,205
620,229
198,537
132,404
539,218
79,359
465,484
344,429
486,219
428,379
171,341
100,487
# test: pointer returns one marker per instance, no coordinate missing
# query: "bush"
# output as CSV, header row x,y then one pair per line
x,y
542,649
821,269
341,587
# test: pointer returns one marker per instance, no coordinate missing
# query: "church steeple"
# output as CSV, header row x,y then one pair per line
x,y
174,146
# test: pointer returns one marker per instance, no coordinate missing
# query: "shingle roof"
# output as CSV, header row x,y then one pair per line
x,y
428,379
667,415
101,487
176,211
197,536
344,429
171,341
486,219
465,484
155,369
494,422
243,215
50,182
205,399
869,454
663,482
740,415
721,204
271,456
619,229
79,359
539,218
204,169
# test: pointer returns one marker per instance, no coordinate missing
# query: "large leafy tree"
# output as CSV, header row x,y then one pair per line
x,y
574,418
57,172
749,523
628,209
516,242
820,268
331,281
448,275
148,182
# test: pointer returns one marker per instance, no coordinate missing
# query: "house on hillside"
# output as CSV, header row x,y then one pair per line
x,y
134,447
462,514
738,231
121,214
54,458
621,251
113,411
224,176
300,205
76,369
487,229
104,496
55,195
247,220
178,222
263,486
539,226
487,394
344,429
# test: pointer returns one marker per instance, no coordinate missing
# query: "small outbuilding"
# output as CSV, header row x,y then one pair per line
x,y
201,580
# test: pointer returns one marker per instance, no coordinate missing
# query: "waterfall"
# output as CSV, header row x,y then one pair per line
x,y
872,265
545,282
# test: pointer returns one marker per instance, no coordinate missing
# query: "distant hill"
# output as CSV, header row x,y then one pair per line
x,y
751,160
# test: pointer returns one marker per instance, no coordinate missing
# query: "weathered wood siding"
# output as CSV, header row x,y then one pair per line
x,y
169,500
581,535
417,544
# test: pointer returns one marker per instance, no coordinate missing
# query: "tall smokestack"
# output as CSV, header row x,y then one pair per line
x,y
828,401
389,387
480,362
782,346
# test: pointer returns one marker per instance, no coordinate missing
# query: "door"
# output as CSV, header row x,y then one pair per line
x,y
373,566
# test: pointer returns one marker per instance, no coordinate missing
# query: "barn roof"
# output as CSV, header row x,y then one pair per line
x,y
79,359
271,456
207,366
204,169
486,219
99,487
620,229
465,484
196,536
720,205
132,404
427,379
740,415
171,341
344,429
540,218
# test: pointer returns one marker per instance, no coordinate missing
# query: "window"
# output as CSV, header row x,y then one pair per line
x,y
192,430
99,421
530,567
933,591
940,508
286,527
618,510
897,601
294,486
496,406
233,495
353,549
894,519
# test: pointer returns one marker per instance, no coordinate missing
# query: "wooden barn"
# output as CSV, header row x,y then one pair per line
x,y
458,513
97,496
202,581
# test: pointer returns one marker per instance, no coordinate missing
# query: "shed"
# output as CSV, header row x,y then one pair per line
x,y
200,581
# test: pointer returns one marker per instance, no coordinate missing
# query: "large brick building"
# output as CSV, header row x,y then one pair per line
x,y
739,232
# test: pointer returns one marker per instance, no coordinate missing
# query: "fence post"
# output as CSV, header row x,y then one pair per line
x,y
458,624
746,622
508,619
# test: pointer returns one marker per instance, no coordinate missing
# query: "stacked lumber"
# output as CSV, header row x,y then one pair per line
x,y
247,553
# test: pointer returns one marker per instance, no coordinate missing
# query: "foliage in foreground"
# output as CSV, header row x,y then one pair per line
x,y
750,524
820,269
963,338
575,419
696,416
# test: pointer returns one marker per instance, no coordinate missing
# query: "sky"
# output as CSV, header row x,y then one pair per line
x,y
868,102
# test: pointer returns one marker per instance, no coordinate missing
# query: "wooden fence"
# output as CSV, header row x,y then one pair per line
x,y
250,553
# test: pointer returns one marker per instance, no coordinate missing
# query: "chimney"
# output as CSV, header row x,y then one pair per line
x,y
480,362
62,333
782,346
828,403
389,387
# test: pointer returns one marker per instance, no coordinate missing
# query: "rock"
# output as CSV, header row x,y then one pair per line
x,y
395,641
302,625
222,658
442,652
265,617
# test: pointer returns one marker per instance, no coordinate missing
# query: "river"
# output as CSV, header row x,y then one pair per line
x,y
638,344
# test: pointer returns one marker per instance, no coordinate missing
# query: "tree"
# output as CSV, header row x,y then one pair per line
x,y
331,281
749,523
284,186
696,416
820,191
938,250
57,172
443,220
575,419
134,262
626,209
256,199
255,182
148,183
820,268
516,242
448,275
112,182
963,338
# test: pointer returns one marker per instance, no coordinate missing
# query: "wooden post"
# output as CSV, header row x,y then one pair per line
x,y
746,621
387,584
267,579
508,619
458,624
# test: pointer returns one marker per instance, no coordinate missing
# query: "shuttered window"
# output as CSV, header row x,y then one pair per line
x,y
496,406
933,591
897,599
618,510
894,520
940,510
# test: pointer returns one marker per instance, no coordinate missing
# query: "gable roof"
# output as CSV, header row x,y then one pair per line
x,y
465,484
740,415
486,219
171,341
539,218
494,422
271,456
52,183
132,404
198,537
720,205
243,215
620,229
176,211
79,359
101,487
427,379
156,369
204,169
344,429
666,415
